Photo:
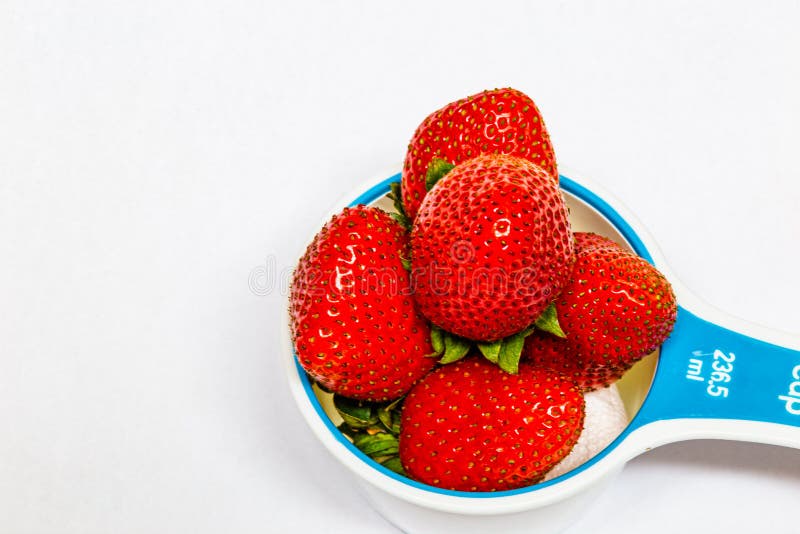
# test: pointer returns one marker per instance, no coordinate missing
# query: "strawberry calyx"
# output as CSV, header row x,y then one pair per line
x,y
548,322
505,353
449,346
437,168
436,171
373,428
396,195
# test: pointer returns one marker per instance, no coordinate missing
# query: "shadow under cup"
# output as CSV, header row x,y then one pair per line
x,y
588,213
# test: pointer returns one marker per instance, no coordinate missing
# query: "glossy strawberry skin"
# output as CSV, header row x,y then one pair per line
x,y
504,121
354,325
616,309
470,426
491,247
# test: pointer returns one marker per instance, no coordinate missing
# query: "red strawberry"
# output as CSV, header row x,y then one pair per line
x,y
471,426
355,328
491,247
615,309
500,121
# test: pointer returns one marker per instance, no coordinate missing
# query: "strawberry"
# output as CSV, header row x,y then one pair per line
x,y
471,426
500,121
354,325
615,309
491,247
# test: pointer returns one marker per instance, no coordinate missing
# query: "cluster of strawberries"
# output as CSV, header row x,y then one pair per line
x,y
459,333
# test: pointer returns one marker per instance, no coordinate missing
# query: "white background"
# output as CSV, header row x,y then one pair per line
x,y
154,153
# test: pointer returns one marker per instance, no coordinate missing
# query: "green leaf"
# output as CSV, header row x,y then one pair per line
x,y
437,341
393,463
491,351
548,322
406,263
373,428
356,414
437,168
511,350
377,444
397,196
395,428
385,417
389,416
394,404
402,219
455,348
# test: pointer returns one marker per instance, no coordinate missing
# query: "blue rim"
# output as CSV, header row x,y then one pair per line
x,y
635,242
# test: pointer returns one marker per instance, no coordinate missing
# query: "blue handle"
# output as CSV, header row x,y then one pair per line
x,y
707,371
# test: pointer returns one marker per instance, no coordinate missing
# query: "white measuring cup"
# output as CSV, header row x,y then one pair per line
x,y
716,377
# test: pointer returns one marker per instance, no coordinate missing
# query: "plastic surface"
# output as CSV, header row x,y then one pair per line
x,y
708,371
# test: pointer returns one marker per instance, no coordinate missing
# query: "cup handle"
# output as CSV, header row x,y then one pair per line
x,y
714,382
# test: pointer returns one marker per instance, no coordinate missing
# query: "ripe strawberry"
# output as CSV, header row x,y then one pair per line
x,y
615,309
354,325
491,247
471,426
500,121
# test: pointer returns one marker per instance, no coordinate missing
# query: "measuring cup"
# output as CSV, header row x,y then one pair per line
x,y
716,377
